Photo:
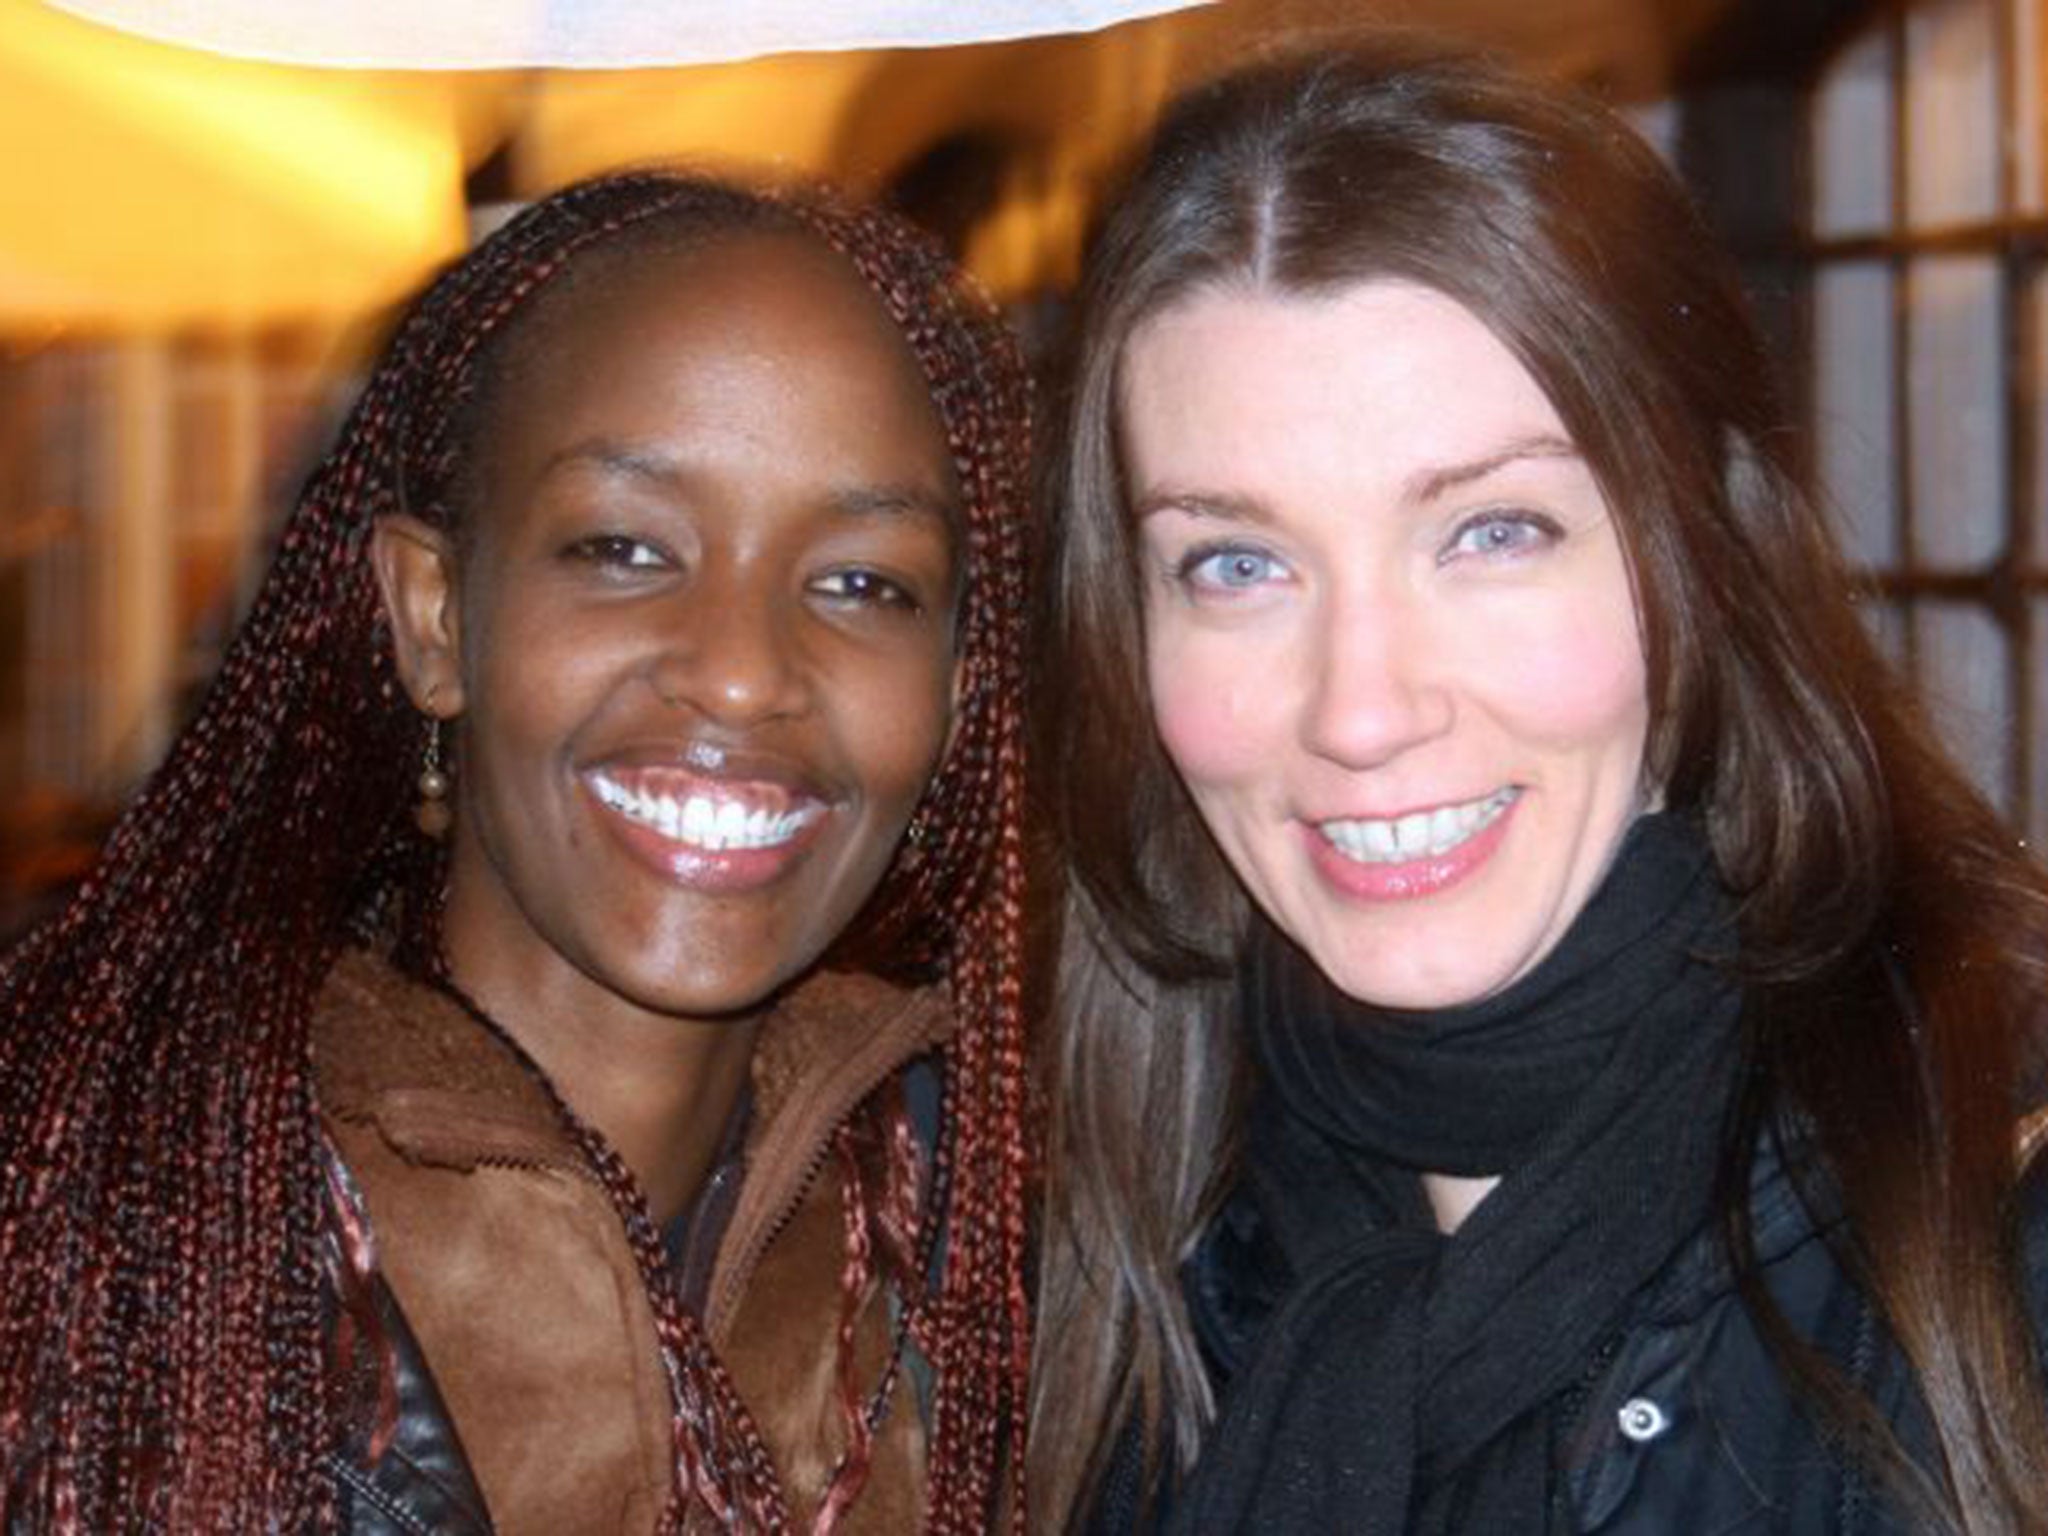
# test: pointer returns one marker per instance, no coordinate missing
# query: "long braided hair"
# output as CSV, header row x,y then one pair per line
x,y
163,1212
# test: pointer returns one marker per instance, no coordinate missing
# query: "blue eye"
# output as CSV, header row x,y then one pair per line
x,y
1501,534
1226,568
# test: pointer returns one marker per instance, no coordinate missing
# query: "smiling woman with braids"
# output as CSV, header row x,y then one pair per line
x,y
480,1087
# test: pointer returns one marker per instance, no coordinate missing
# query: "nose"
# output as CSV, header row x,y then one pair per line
x,y
1377,686
730,651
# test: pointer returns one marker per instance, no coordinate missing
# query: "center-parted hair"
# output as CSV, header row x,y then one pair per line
x,y
164,1227
1892,932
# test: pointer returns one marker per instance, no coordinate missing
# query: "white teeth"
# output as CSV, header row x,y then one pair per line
x,y
731,827
1411,835
1443,828
713,823
697,825
1420,834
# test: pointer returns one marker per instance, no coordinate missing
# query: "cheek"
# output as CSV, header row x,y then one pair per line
x,y
897,725
1578,681
1215,723
538,680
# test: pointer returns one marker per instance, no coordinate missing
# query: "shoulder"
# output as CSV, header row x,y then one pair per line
x,y
377,1030
408,1473
1688,1421
841,1030
401,1063
1232,1282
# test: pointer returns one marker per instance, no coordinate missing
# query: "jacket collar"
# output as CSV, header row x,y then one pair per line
x,y
399,1055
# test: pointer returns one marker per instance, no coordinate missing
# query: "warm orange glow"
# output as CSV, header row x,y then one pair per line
x,y
1064,107
784,114
149,185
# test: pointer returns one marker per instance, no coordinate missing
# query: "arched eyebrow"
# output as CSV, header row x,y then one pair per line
x,y
1224,508
1429,484
613,458
663,472
900,501
1426,485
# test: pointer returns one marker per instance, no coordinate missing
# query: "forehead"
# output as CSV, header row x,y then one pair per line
x,y
767,336
1382,377
758,290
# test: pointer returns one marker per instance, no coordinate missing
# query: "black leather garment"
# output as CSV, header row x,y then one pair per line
x,y
420,1485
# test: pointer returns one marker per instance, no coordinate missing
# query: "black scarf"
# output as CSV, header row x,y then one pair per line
x,y
1405,1381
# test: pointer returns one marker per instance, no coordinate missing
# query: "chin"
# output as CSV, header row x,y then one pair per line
x,y
682,990
1424,988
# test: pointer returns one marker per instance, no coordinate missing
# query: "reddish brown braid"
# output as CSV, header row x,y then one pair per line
x,y
850,1474
963,901
725,1468
162,1211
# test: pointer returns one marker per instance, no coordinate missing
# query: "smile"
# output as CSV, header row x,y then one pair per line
x,y
1418,835
712,818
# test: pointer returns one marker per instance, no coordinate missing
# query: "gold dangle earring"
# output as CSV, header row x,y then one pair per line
x,y
917,839
432,815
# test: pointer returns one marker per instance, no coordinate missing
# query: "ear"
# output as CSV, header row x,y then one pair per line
x,y
415,568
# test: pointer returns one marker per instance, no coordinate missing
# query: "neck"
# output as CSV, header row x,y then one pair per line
x,y
1473,1089
659,1089
1452,1199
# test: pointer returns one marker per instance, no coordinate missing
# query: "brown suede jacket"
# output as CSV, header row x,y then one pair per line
x,y
513,1273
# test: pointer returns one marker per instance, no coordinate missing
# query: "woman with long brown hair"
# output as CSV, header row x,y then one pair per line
x,y
544,1053
1546,1035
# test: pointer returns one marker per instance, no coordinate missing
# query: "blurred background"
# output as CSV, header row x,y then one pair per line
x,y
197,252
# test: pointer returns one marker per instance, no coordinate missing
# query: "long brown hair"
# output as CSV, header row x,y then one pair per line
x,y
162,1210
1892,934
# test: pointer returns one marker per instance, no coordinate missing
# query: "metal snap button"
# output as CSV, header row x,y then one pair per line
x,y
1642,1420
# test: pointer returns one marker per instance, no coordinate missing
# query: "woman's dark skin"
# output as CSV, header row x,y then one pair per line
x,y
712,555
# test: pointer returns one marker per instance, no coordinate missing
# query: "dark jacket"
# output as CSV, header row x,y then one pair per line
x,y
1690,1425
1683,1421
528,1377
